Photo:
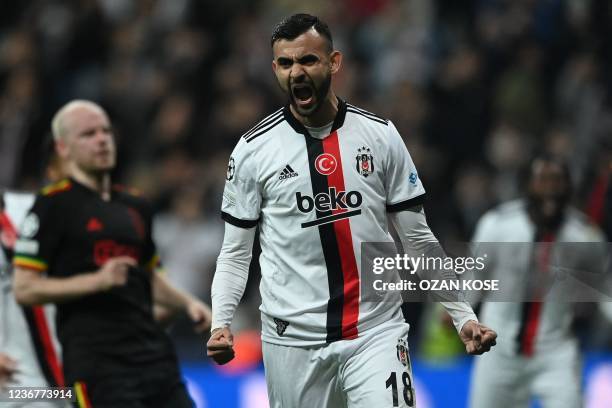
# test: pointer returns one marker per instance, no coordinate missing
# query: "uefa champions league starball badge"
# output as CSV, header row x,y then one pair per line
x,y
231,169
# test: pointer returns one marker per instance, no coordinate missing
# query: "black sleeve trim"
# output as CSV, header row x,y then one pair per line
x,y
238,222
407,204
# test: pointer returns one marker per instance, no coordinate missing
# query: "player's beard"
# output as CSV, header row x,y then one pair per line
x,y
547,212
98,166
319,93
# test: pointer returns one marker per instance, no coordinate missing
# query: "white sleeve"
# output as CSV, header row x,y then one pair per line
x,y
402,184
231,274
484,246
486,228
414,232
241,196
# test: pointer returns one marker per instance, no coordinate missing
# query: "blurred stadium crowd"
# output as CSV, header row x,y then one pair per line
x,y
474,86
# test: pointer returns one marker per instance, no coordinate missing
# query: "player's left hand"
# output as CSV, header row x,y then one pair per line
x,y
200,314
220,346
8,367
478,338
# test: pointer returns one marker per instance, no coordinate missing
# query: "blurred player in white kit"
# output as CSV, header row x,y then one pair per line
x,y
536,355
30,354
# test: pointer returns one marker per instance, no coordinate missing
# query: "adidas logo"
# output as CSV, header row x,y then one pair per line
x,y
94,225
287,173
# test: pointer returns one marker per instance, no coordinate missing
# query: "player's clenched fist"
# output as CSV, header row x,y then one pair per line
x,y
114,272
8,366
220,347
478,338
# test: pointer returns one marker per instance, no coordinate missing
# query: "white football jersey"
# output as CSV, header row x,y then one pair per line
x,y
315,201
527,327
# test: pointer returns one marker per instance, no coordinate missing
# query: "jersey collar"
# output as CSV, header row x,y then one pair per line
x,y
299,128
88,190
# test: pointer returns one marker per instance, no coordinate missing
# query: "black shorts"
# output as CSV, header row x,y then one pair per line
x,y
150,391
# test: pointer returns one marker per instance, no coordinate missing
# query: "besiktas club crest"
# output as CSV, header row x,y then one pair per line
x,y
402,352
365,161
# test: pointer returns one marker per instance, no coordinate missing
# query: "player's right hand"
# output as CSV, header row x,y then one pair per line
x,y
220,347
114,272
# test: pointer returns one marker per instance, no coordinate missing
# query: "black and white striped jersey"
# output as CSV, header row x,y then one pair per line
x,y
315,201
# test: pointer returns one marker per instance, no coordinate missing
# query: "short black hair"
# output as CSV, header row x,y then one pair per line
x,y
550,158
292,27
528,172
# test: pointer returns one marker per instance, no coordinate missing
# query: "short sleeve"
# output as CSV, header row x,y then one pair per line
x,y
241,197
150,257
403,186
39,236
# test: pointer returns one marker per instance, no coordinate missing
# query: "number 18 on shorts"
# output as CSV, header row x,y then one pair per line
x,y
371,371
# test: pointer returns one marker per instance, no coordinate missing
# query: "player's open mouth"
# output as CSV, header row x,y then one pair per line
x,y
303,94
